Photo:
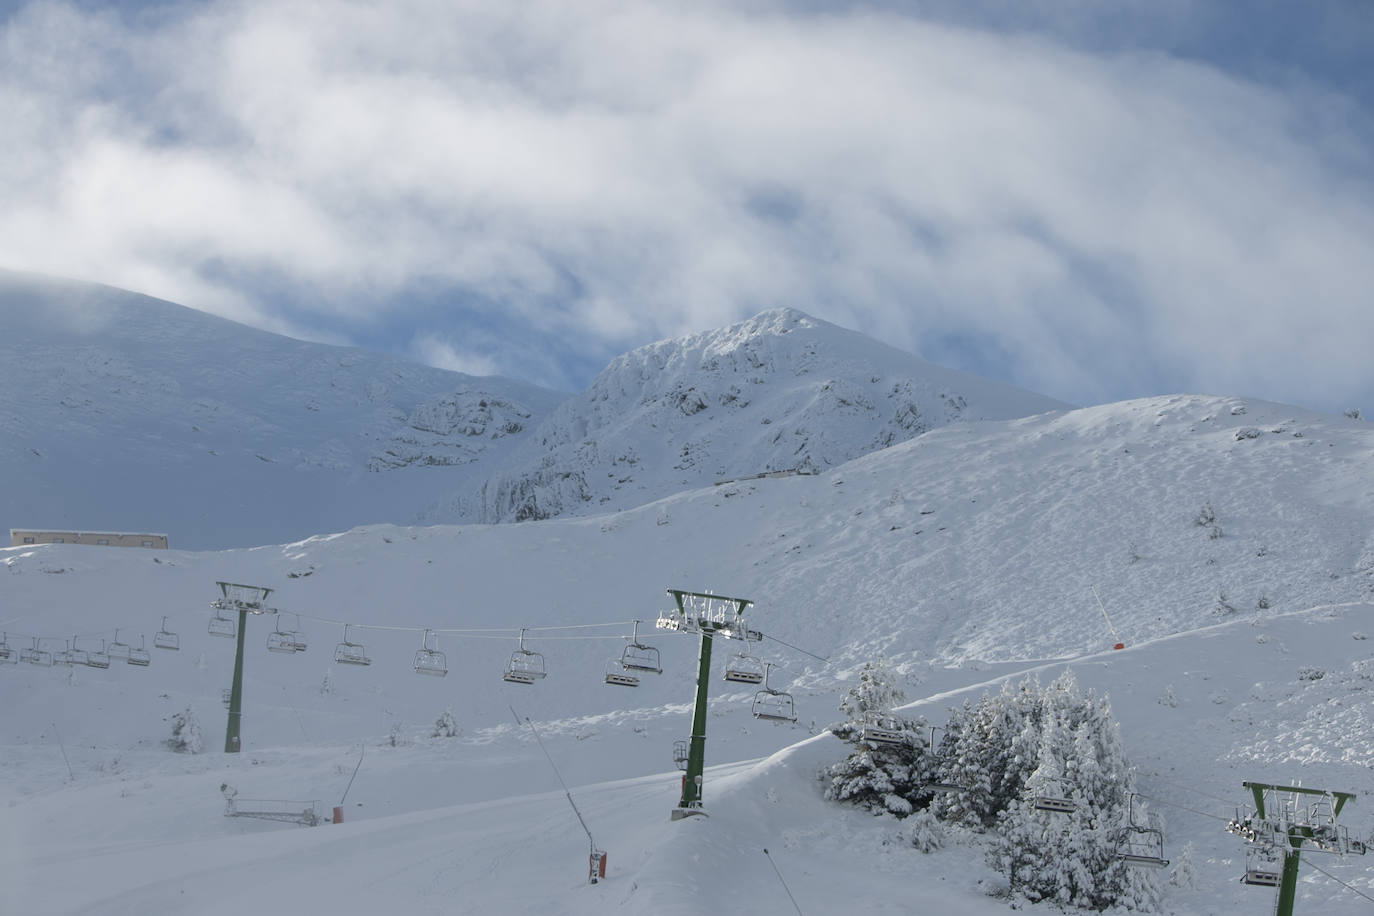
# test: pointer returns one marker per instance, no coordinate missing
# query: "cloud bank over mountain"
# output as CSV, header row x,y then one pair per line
x,y
1059,208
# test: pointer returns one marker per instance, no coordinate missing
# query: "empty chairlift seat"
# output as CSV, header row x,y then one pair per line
x,y
351,653
744,668
430,661
165,638
525,666
619,675
139,657
773,705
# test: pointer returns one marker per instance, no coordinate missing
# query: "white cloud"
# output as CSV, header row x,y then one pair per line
x,y
432,351
614,174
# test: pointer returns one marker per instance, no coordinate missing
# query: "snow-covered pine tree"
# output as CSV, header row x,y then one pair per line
x,y
882,777
186,735
446,726
1072,858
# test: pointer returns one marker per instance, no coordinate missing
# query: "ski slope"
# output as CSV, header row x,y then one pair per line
x,y
964,555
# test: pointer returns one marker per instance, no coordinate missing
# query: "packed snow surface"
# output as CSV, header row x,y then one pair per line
x,y
1231,542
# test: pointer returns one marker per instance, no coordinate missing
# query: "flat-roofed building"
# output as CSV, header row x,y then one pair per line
x,y
20,537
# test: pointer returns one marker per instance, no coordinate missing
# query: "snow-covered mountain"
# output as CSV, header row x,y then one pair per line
x,y
129,413
1231,541
123,412
779,392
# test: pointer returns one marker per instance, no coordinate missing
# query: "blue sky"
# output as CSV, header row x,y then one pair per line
x,y
1092,200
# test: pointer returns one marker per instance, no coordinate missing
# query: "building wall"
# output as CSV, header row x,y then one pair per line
x,y
20,537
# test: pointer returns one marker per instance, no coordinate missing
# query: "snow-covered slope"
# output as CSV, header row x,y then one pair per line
x,y
129,413
965,555
778,392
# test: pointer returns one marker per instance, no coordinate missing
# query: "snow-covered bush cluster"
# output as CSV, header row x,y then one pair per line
x,y
996,762
186,734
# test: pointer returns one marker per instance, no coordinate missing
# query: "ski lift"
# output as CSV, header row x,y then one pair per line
x,y
744,668
289,641
117,649
1261,867
525,666
222,625
873,733
430,661
139,656
7,653
618,673
1055,805
639,657
350,653
1143,845
79,656
63,656
165,638
682,749
98,658
36,656
773,705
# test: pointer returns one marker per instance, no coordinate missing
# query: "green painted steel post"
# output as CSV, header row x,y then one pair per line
x,y
231,735
1288,881
696,753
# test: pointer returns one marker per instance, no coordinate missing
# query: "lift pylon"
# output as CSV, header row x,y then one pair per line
x,y
1286,817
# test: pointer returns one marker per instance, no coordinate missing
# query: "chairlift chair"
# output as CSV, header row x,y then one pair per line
x,y
771,704
286,641
7,654
222,626
1261,868
638,656
165,638
1055,805
63,656
351,653
525,666
139,656
873,733
98,658
78,655
1143,845
117,649
744,668
36,656
430,661
618,673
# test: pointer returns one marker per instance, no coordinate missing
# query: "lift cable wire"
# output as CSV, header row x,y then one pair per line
x,y
1178,785
1162,801
796,649
1353,890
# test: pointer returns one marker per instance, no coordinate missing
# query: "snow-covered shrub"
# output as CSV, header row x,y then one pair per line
x,y
1184,874
924,831
446,726
1206,516
1222,607
327,685
1354,413
186,734
398,736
